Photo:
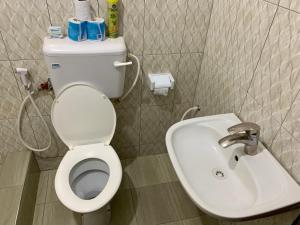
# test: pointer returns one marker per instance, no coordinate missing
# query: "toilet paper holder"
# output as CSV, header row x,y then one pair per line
x,y
160,81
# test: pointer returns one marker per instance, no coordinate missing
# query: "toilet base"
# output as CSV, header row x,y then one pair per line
x,y
99,217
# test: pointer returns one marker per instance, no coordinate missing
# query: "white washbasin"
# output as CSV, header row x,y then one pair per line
x,y
226,183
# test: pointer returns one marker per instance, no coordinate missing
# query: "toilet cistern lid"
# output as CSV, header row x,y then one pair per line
x,y
83,115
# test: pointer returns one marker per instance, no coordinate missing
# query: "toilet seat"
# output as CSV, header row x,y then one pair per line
x,y
85,120
83,115
79,153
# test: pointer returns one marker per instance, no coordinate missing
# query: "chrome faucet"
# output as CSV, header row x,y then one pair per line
x,y
246,133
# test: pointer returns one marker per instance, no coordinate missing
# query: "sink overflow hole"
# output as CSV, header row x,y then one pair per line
x,y
236,158
219,174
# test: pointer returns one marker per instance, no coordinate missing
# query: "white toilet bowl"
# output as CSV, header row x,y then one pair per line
x,y
90,173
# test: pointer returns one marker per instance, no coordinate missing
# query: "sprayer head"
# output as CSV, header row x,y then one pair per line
x,y
22,72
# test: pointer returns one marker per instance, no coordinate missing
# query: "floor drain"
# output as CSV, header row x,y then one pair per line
x,y
219,173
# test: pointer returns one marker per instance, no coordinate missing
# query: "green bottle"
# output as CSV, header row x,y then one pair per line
x,y
112,19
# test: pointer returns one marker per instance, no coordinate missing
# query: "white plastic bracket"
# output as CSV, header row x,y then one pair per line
x,y
167,76
120,64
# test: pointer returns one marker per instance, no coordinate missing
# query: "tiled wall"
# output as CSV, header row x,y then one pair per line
x,y
251,67
167,35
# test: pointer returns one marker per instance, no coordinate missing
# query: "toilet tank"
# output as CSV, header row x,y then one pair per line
x,y
86,62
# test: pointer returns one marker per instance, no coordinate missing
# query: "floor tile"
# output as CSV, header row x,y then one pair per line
x,y
57,214
42,188
150,170
51,194
10,200
173,223
155,205
48,163
193,221
202,220
153,148
14,169
38,214
126,181
184,206
122,208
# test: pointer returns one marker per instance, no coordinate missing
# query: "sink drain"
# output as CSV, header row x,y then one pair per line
x,y
219,173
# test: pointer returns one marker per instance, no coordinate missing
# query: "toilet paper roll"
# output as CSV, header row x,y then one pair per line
x,y
162,82
82,10
161,91
76,29
96,29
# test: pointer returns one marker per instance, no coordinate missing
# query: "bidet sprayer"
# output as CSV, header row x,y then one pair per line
x,y
23,73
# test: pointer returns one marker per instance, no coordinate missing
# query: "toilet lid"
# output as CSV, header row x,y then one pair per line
x,y
83,115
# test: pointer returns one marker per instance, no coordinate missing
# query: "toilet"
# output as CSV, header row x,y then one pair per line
x,y
84,79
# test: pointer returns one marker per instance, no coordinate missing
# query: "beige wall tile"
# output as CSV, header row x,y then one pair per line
x,y
132,24
196,25
155,121
38,73
42,137
10,200
187,77
286,149
164,26
276,80
290,4
127,152
48,163
9,92
128,128
9,140
24,25
60,11
232,51
180,109
57,148
292,120
3,53
159,64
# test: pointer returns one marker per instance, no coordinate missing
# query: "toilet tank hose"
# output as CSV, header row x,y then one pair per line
x,y
135,79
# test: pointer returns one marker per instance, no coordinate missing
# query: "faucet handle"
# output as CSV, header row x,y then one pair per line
x,y
251,128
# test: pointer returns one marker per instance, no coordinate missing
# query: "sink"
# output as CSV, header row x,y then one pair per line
x,y
227,183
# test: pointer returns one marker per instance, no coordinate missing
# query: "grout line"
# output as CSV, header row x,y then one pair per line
x,y
202,58
184,26
179,62
144,16
98,9
293,10
272,2
284,119
12,186
49,17
259,58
